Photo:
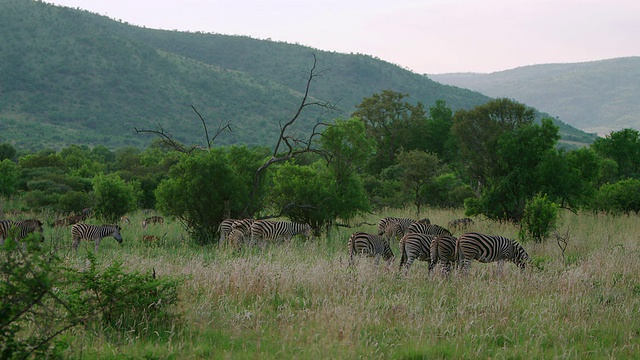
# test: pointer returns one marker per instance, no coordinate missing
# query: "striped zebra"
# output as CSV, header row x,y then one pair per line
x,y
20,229
414,246
224,229
392,227
240,231
152,220
460,223
443,250
429,229
377,246
275,230
489,248
93,232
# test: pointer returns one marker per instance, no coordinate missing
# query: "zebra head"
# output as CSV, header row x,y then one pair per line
x,y
116,233
520,256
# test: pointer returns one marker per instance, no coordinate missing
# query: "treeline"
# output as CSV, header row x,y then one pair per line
x,y
494,160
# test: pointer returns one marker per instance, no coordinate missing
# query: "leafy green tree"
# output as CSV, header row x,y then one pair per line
x,y
540,218
114,197
620,197
392,123
477,132
201,189
516,175
7,151
9,176
439,139
446,191
418,168
623,147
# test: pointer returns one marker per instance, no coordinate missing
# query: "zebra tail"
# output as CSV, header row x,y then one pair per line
x,y
457,254
404,256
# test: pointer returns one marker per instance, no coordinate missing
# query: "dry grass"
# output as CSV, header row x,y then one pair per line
x,y
300,300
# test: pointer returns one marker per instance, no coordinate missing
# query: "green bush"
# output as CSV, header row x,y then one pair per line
x,y
540,218
623,196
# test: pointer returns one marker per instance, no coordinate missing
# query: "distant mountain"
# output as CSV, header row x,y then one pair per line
x,y
597,96
69,76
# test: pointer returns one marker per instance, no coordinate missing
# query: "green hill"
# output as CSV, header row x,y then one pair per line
x,y
597,96
73,77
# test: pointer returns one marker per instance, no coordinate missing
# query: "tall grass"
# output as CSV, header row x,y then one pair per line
x,y
300,300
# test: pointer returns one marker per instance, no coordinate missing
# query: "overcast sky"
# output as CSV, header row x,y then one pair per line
x,y
426,36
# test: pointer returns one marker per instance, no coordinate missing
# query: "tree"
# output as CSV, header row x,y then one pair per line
x,y
540,218
7,151
477,132
201,189
392,123
114,197
418,168
620,197
624,148
514,176
9,176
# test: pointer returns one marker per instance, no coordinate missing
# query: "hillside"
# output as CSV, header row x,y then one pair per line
x,y
70,76
598,96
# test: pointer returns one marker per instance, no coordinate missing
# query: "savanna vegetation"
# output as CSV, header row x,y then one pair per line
x,y
169,291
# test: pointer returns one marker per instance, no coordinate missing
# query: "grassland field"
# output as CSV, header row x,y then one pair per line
x,y
301,301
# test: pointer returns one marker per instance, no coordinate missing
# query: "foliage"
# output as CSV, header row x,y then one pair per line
x,y
446,191
123,300
477,132
391,123
204,187
539,219
620,197
114,197
623,147
9,175
312,195
7,151
417,169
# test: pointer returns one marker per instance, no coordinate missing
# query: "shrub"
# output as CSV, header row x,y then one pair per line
x,y
540,218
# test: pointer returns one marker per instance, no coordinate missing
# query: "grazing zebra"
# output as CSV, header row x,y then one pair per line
x,y
240,231
152,220
443,250
224,229
368,244
22,228
274,230
414,246
460,223
489,248
397,227
93,232
429,229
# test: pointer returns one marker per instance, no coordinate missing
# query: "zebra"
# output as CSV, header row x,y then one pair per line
x,y
489,248
414,246
443,250
240,230
224,229
429,229
152,220
368,244
397,227
460,223
93,232
274,230
22,228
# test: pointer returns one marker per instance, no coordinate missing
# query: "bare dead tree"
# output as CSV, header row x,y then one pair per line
x,y
170,142
292,144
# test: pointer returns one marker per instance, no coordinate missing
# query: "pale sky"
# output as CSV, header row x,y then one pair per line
x,y
425,36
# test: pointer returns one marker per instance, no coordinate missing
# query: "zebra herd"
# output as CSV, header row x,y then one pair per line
x,y
238,232
421,240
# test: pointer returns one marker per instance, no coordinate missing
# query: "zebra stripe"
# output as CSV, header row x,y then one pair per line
x,y
429,229
93,232
397,227
275,230
224,229
443,250
370,245
414,246
22,228
489,248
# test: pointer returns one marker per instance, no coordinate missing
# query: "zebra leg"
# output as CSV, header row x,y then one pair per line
x,y
97,243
